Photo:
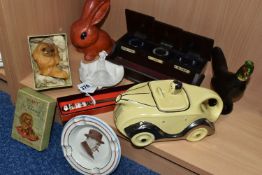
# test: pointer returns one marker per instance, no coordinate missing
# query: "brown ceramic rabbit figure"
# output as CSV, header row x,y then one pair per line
x,y
85,35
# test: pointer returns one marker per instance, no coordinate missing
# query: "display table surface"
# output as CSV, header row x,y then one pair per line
x,y
235,148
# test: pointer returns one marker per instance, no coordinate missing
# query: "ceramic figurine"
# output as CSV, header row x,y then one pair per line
x,y
228,85
85,35
101,73
49,61
47,57
166,109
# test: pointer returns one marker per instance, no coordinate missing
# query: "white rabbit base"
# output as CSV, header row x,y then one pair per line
x,y
101,73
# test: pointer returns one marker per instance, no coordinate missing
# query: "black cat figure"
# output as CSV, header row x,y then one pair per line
x,y
230,86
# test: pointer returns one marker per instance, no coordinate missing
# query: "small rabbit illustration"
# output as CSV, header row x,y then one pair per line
x,y
86,36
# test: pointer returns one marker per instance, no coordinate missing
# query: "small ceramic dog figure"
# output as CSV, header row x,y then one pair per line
x,y
47,57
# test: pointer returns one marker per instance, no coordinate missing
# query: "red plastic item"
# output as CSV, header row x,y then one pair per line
x,y
73,105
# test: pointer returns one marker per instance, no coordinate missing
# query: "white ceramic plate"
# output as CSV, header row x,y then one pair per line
x,y
90,145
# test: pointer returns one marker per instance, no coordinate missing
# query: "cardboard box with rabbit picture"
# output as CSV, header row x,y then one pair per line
x,y
50,62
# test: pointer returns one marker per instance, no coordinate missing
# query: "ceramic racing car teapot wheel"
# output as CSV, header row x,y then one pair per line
x,y
166,109
90,146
